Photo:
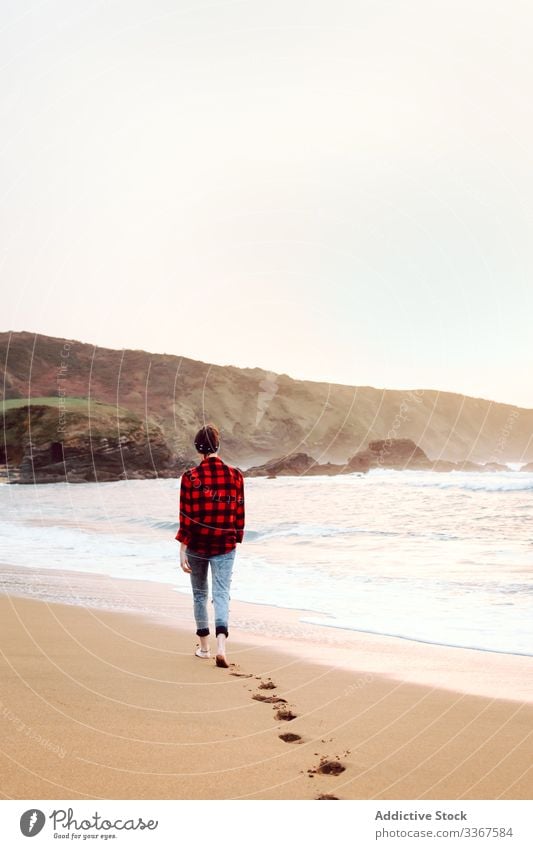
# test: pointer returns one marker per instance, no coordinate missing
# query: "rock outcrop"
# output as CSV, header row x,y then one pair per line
x,y
390,454
396,454
387,454
47,445
494,467
293,464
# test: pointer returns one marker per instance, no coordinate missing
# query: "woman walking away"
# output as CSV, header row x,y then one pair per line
x,y
211,525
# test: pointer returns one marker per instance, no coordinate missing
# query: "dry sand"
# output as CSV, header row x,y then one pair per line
x,y
97,704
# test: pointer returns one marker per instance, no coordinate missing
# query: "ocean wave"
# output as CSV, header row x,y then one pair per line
x,y
487,645
150,522
475,485
165,526
315,531
302,530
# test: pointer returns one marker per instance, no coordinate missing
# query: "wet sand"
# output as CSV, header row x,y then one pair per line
x,y
114,705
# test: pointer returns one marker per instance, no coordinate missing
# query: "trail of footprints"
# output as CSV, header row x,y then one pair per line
x,y
283,712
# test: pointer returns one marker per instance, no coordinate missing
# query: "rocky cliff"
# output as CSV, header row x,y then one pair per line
x,y
261,415
41,446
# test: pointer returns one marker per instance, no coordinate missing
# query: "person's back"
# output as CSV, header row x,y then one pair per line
x,y
212,508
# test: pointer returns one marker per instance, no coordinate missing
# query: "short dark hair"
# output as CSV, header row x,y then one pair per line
x,y
207,439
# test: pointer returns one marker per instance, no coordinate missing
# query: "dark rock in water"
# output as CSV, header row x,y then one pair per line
x,y
463,466
468,466
293,464
381,453
406,454
399,449
390,454
360,462
444,466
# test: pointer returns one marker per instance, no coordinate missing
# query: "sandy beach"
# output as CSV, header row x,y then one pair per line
x,y
102,704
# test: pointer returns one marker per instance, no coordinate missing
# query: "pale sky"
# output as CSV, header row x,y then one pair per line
x,y
339,191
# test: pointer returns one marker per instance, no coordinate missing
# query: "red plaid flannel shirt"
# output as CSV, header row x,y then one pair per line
x,y
211,507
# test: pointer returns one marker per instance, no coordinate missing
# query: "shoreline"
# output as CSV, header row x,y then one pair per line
x,y
100,704
468,671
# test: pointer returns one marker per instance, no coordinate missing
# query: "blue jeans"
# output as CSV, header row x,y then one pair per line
x,y
221,571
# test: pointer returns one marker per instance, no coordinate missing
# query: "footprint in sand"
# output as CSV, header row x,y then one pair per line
x,y
328,767
331,768
290,738
273,700
285,713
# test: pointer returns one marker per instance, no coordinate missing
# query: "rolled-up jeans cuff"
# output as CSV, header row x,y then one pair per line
x,y
202,632
221,629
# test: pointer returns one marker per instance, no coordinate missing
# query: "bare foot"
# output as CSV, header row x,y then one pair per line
x,y
221,661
